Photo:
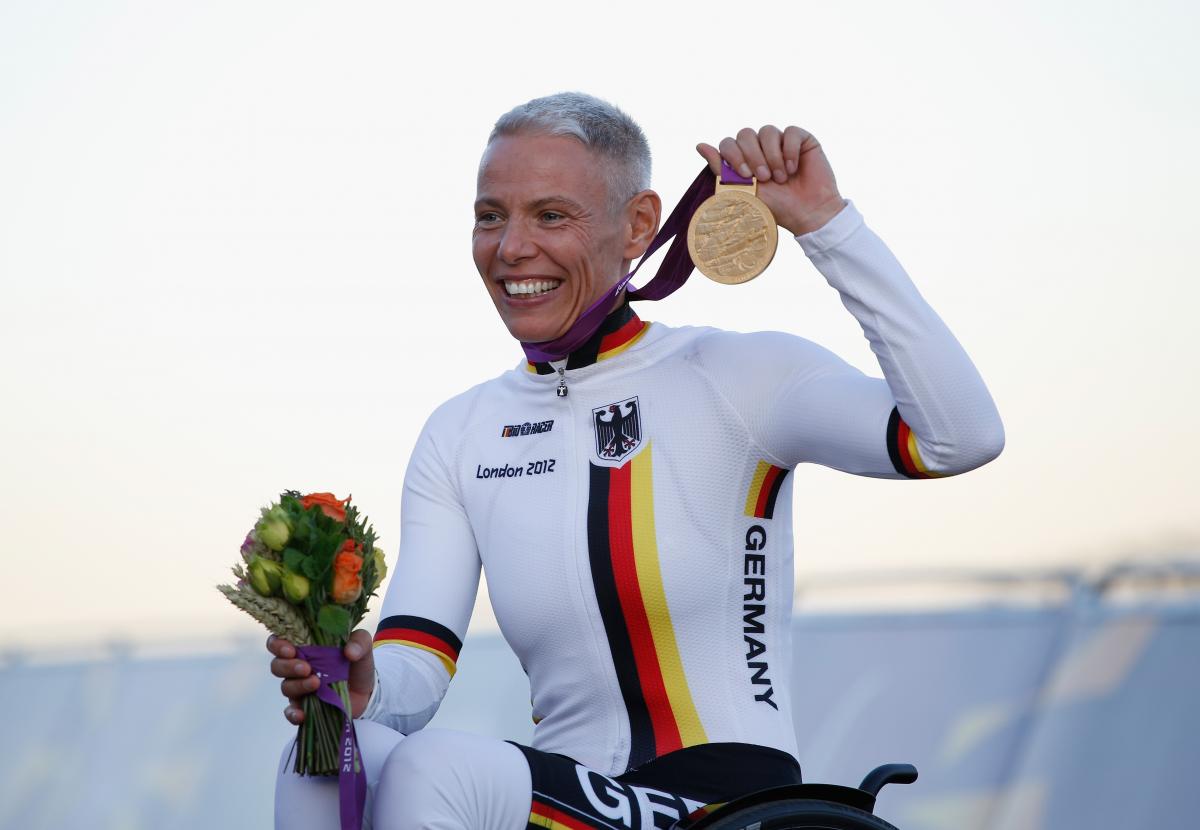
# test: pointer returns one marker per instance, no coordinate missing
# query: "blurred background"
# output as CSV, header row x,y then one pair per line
x,y
234,259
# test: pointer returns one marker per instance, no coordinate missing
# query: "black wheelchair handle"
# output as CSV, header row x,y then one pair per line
x,y
887,774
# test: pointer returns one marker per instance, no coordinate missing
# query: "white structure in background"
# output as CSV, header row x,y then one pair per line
x,y
1051,702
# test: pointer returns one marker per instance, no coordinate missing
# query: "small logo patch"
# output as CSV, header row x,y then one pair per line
x,y
618,429
527,428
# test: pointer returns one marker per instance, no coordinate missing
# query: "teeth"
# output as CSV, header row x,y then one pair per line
x,y
530,287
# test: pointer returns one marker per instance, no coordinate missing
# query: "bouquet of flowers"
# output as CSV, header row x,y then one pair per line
x,y
309,566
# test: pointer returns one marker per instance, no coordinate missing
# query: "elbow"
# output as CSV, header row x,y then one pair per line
x,y
982,445
992,442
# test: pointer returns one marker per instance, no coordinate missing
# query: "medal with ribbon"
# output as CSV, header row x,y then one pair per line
x,y
732,236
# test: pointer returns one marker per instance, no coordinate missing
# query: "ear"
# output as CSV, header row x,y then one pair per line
x,y
642,215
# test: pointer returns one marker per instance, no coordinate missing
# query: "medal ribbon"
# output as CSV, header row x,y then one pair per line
x,y
331,666
674,271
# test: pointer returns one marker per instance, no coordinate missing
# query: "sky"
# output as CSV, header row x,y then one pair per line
x,y
234,259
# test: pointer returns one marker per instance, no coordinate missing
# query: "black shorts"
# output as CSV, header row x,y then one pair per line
x,y
570,796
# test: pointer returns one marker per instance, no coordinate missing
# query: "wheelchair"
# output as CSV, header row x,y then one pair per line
x,y
805,806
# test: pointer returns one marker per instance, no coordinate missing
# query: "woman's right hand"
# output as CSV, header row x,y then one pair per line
x,y
299,680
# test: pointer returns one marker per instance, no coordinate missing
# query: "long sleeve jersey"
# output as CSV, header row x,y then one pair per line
x,y
637,532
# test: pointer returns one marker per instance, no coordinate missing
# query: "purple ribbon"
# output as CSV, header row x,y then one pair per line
x,y
676,267
331,666
731,176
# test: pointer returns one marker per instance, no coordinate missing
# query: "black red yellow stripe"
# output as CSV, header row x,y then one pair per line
x,y
621,339
620,330
422,633
764,489
902,449
543,814
704,812
623,552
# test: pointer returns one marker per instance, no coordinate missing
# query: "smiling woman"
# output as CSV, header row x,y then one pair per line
x,y
546,240
657,651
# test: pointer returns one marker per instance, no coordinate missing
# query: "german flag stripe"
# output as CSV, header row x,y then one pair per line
x,y
420,633
613,344
620,330
641,733
633,607
542,814
649,573
902,449
623,549
706,810
765,485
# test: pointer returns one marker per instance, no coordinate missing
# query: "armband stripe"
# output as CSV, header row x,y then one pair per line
x,y
423,634
449,664
902,448
546,815
764,490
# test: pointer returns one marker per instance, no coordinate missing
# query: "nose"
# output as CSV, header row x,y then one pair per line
x,y
516,243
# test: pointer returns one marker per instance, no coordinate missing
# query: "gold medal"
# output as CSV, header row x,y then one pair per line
x,y
732,236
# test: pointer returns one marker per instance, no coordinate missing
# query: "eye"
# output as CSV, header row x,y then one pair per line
x,y
552,216
487,217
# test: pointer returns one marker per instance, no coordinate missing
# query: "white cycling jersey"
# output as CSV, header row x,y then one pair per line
x,y
637,532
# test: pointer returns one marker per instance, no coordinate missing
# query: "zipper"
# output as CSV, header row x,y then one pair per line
x,y
560,366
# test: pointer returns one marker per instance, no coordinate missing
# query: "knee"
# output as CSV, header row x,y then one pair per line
x,y
443,778
420,783
375,743
312,801
429,754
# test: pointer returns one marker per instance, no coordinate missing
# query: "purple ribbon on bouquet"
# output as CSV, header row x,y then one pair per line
x,y
331,666
676,267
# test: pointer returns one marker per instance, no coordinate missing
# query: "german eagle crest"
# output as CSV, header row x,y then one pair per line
x,y
618,429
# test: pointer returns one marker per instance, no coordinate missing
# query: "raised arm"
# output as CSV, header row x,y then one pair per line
x,y
931,414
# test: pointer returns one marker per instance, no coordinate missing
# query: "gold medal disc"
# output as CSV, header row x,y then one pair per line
x,y
732,236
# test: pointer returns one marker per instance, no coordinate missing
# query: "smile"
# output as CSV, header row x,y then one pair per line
x,y
530,288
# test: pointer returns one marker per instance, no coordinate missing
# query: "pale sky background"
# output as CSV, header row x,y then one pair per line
x,y
234,259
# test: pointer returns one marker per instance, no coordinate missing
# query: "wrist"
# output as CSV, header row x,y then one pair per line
x,y
815,219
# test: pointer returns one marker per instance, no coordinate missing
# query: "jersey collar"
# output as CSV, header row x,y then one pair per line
x,y
620,330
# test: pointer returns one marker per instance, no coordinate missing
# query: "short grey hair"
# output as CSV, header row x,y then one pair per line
x,y
598,125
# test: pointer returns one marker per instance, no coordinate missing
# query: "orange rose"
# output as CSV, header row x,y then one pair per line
x,y
330,505
347,574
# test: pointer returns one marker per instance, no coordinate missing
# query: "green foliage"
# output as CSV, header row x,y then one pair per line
x,y
293,560
335,621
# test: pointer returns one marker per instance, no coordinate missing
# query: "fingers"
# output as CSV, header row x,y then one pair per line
x,y
768,154
770,139
731,151
299,686
712,155
280,647
298,677
358,645
294,712
748,143
793,145
283,667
